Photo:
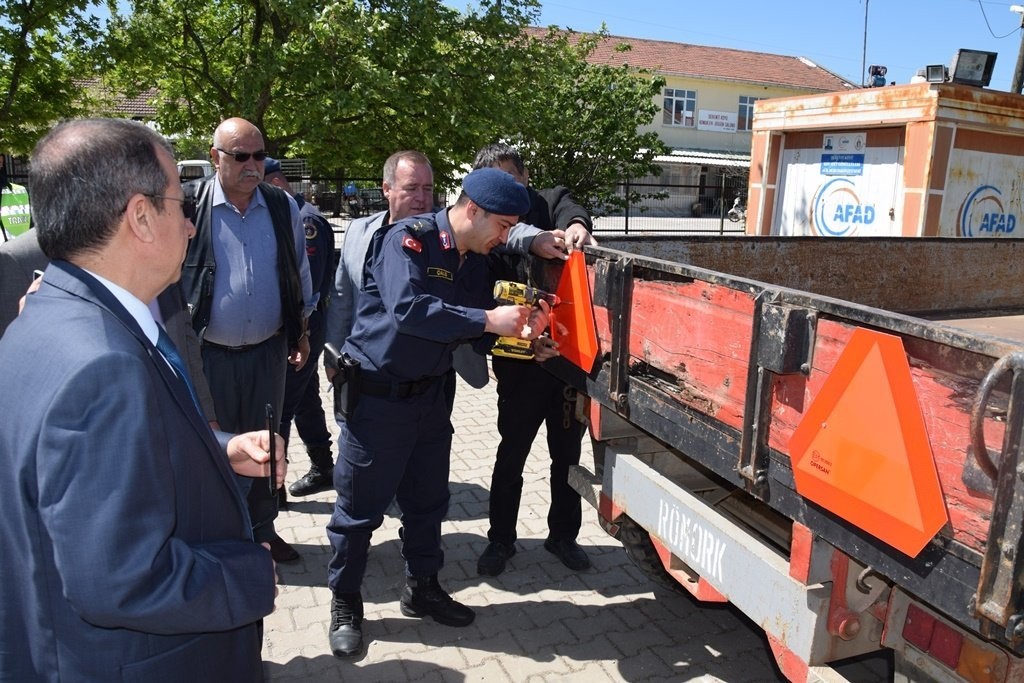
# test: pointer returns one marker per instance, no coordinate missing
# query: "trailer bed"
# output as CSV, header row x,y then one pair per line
x,y
689,354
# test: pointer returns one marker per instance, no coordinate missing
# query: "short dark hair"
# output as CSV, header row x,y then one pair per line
x,y
82,175
493,155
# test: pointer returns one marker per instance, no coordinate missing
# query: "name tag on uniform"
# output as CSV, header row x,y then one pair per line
x,y
441,273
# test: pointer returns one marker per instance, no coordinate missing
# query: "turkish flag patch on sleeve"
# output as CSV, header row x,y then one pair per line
x,y
410,242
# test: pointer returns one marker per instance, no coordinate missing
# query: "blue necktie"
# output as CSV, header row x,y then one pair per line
x,y
166,347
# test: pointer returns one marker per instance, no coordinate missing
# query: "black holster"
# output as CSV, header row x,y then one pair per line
x,y
346,381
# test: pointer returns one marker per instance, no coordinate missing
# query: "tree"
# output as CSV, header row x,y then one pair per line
x,y
345,83
582,129
44,46
207,60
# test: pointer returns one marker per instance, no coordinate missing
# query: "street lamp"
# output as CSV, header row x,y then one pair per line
x,y
1018,73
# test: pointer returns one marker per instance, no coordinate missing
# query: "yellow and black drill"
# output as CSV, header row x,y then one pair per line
x,y
518,294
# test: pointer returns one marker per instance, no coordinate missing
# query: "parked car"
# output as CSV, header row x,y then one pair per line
x,y
372,200
193,169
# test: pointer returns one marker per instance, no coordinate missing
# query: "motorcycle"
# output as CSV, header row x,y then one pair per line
x,y
352,202
738,212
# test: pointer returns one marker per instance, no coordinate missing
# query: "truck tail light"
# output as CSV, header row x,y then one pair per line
x,y
945,644
978,664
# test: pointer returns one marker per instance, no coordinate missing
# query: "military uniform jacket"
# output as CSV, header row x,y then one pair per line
x,y
417,304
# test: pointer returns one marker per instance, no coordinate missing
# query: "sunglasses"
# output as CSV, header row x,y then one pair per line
x,y
188,204
242,157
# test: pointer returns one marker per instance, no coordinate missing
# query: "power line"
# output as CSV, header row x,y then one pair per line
x,y
981,6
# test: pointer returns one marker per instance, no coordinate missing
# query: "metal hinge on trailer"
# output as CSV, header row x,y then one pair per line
x,y
781,343
998,599
620,279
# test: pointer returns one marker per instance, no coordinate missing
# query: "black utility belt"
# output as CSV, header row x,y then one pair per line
x,y
350,383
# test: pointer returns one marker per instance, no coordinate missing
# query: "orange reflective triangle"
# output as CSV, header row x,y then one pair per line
x,y
578,342
862,449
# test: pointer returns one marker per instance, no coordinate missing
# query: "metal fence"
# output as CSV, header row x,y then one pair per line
x,y
674,209
665,208
340,196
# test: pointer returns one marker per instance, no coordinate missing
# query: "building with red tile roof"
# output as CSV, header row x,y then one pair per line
x,y
707,104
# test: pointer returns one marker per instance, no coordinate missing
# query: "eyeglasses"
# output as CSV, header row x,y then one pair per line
x,y
188,204
242,157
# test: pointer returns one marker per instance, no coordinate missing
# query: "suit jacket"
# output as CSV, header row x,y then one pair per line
x,y
129,553
348,279
19,257
174,311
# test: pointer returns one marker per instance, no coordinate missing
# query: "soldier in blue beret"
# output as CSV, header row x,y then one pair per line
x,y
426,290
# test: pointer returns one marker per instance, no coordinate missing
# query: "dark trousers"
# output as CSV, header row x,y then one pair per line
x,y
242,384
302,400
391,449
528,395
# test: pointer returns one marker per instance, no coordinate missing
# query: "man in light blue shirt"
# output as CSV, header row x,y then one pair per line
x,y
246,280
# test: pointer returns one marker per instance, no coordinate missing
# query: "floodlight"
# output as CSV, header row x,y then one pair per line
x,y
972,67
936,73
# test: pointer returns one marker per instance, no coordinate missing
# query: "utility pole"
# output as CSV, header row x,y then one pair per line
x,y
1018,73
864,52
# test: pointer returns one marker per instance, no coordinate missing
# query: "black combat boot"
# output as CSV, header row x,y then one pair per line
x,y
424,597
320,476
346,632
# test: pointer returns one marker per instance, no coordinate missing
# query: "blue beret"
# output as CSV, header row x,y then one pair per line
x,y
271,165
495,191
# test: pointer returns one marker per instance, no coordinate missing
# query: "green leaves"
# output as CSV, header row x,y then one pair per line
x,y
43,46
345,83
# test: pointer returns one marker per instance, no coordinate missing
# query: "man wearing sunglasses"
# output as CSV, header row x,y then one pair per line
x,y
246,279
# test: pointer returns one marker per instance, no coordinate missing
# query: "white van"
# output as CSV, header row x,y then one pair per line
x,y
193,169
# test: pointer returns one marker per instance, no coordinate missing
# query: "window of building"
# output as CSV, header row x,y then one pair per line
x,y
745,117
680,108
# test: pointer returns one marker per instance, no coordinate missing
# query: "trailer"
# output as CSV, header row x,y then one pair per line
x,y
824,433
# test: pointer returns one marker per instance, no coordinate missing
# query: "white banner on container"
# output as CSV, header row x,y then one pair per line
x,y
817,198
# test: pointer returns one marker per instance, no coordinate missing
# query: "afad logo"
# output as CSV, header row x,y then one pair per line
x,y
982,214
838,211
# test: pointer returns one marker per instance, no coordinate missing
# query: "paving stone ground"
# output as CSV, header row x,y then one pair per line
x,y
538,621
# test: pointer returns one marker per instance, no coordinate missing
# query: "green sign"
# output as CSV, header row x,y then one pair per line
x,y
14,213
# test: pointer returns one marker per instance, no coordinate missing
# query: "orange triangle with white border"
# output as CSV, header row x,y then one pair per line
x,y
862,450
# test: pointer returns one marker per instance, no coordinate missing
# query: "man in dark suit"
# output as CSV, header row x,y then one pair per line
x,y
529,396
135,559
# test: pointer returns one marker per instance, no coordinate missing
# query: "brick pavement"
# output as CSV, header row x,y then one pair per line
x,y
536,622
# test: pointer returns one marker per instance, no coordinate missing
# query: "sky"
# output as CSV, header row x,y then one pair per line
x,y
903,35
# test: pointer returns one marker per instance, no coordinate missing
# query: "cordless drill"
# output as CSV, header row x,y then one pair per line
x,y
518,294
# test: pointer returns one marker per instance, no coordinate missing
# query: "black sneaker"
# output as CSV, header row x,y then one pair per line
x,y
312,482
346,632
492,562
424,597
569,552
